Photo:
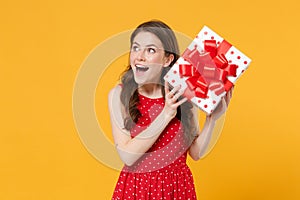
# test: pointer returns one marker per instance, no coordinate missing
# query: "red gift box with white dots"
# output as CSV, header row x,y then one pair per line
x,y
210,95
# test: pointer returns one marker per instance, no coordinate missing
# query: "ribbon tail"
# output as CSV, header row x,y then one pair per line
x,y
228,85
188,93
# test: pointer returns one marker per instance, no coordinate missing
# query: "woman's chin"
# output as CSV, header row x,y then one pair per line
x,y
139,80
142,80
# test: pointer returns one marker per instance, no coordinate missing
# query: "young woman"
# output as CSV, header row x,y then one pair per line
x,y
153,126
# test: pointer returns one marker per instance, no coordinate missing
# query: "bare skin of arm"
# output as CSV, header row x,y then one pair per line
x,y
200,144
131,149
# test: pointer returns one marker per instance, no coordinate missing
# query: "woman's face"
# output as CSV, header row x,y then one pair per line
x,y
147,58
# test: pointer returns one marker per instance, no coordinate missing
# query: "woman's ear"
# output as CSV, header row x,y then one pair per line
x,y
168,60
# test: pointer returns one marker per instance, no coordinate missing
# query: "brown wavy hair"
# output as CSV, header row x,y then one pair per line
x,y
129,93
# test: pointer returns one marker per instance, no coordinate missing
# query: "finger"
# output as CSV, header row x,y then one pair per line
x,y
174,91
228,96
177,95
231,91
224,104
181,101
166,87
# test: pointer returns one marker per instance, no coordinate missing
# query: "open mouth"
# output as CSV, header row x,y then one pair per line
x,y
141,68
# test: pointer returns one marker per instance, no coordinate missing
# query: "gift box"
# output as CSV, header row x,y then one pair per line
x,y
207,69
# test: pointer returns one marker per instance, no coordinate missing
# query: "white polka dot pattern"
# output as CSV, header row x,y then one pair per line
x,y
233,55
162,172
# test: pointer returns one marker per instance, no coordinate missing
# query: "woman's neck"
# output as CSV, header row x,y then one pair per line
x,y
150,90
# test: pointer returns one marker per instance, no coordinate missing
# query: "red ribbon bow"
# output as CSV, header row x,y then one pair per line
x,y
208,70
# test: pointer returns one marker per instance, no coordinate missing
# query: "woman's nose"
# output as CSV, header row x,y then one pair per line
x,y
141,55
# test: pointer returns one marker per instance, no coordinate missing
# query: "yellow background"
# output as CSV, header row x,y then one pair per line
x,y
43,44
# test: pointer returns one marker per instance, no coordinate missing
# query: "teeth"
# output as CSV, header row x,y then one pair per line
x,y
141,66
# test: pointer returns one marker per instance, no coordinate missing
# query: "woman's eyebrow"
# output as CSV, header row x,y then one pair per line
x,y
152,45
148,45
136,43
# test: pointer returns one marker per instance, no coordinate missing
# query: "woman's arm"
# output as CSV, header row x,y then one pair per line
x,y
200,144
131,149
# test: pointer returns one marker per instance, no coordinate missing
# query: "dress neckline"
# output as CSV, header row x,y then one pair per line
x,y
153,98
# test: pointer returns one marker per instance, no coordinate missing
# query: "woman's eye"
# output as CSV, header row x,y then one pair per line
x,y
135,48
151,50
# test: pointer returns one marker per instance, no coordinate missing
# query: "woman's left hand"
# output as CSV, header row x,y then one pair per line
x,y
222,107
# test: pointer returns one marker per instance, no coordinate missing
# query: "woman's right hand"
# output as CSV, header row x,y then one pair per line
x,y
171,100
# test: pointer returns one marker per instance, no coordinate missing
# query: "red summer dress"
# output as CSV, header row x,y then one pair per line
x,y
161,173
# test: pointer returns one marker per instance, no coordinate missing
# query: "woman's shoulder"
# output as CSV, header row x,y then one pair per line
x,y
115,90
114,99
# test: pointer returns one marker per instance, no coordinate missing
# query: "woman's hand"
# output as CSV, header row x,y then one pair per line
x,y
222,107
171,100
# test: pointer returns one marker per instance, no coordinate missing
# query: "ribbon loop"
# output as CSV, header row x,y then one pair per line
x,y
208,70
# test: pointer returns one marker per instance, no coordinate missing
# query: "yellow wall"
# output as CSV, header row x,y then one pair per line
x,y
42,46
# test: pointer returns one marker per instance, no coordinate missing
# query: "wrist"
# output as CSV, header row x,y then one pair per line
x,y
167,117
211,119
